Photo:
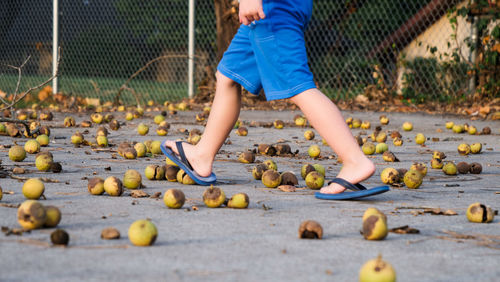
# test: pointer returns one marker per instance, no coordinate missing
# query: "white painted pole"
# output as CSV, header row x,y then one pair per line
x,y
55,44
191,50
473,53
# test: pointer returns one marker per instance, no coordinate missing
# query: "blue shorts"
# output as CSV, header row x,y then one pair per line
x,y
270,53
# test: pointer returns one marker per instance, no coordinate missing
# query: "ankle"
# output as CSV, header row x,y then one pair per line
x,y
362,162
203,154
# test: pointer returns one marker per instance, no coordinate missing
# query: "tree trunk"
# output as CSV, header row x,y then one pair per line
x,y
226,16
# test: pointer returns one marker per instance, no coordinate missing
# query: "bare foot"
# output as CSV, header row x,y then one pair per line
x,y
201,164
354,173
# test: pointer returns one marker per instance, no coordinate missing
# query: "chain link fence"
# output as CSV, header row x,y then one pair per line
x,y
403,46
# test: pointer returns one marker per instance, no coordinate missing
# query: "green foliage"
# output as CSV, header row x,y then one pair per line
x,y
495,33
447,79
426,79
359,26
486,69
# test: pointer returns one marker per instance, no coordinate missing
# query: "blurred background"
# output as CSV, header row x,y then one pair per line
x,y
415,50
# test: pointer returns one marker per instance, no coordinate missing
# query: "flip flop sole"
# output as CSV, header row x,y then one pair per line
x,y
205,181
352,195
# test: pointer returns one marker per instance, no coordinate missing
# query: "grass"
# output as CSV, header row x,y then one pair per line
x,y
103,88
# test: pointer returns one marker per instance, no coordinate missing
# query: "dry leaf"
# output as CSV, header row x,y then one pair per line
x,y
14,231
438,211
496,47
287,188
450,212
138,194
93,101
156,195
18,170
484,110
110,233
361,100
404,230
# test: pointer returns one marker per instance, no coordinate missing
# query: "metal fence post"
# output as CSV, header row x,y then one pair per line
x,y
55,44
191,50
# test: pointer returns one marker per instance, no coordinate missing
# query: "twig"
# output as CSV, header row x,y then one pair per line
x,y
43,179
458,235
102,247
413,208
21,96
131,90
125,85
459,47
15,206
28,242
96,87
489,241
19,71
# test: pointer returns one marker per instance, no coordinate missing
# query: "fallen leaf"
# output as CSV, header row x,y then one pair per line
x,y
438,211
450,212
484,110
404,230
139,194
287,188
266,208
110,233
156,195
14,231
93,101
18,170
361,100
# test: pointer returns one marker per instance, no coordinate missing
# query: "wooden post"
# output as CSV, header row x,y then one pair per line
x,y
226,16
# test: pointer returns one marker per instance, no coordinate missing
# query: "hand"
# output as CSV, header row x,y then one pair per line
x,y
251,10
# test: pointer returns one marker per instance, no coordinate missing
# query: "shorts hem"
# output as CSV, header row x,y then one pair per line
x,y
239,79
285,94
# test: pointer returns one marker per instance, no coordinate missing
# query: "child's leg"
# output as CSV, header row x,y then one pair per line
x,y
326,118
224,113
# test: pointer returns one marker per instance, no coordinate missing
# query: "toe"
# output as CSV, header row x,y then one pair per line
x,y
332,189
171,145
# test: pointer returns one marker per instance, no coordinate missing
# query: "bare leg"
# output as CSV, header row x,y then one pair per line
x,y
326,118
225,111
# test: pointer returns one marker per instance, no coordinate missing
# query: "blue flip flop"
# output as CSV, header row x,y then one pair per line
x,y
184,164
360,191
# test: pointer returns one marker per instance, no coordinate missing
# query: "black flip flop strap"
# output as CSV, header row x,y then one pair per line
x,y
348,185
180,149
